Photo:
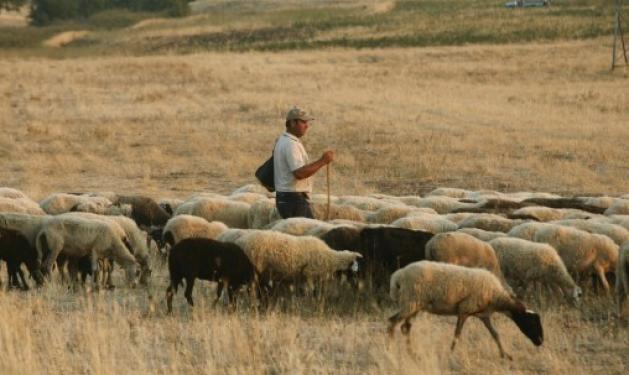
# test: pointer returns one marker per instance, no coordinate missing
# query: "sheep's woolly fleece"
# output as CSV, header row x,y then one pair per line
x,y
481,234
233,214
489,222
616,232
545,214
523,262
288,256
188,226
20,205
464,250
299,226
426,223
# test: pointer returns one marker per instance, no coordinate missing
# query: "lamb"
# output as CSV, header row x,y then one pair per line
x,y
187,226
59,203
145,211
298,226
622,278
278,257
20,205
261,214
580,251
489,222
207,259
426,223
447,289
481,234
233,214
464,250
523,262
79,237
617,233
15,250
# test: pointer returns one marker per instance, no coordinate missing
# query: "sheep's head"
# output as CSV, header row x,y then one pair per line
x,y
576,295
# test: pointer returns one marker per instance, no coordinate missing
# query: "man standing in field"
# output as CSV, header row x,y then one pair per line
x,y
292,168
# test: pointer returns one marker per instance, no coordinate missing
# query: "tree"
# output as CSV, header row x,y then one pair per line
x,y
11,4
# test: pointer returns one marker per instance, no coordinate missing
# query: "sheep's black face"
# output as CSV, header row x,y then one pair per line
x,y
530,324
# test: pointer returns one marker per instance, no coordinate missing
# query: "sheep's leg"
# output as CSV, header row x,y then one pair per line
x,y
169,298
219,291
601,275
487,322
12,271
95,271
393,322
21,274
460,321
188,293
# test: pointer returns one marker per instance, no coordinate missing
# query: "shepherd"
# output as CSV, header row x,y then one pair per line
x,y
293,169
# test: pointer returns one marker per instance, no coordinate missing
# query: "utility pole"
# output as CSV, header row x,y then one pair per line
x,y
619,50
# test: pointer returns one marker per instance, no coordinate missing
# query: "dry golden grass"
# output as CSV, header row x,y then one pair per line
x,y
543,117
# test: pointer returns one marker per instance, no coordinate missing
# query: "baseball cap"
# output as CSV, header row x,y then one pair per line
x,y
296,113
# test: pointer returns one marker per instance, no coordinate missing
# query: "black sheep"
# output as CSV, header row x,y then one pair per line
x,y
145,211
15,250
207,259
386,249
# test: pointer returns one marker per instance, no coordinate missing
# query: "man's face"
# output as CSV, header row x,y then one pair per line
x,y
299,128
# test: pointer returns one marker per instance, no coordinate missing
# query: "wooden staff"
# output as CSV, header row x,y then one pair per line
x,y
327,178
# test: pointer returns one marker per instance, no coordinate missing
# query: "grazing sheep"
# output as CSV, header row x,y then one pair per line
x,y
523,262
343,238
564,204
20,205
489,222
426,223
389,214
581,252
188,226
458,217
463,250
600,202
526,231
447,289
617,233
545,214
15,250
8,192
622,278
362,203
233,214
443,204
622,220
299,226
232,234
385,249
139,241
207,259
79,237
277,256
481,234
619,207
252,188
59,203
145,211
493,205
261,214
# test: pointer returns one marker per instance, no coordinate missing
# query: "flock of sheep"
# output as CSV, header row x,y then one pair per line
x,y
452,251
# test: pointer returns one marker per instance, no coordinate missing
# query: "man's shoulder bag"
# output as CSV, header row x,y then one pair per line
x,y
266,173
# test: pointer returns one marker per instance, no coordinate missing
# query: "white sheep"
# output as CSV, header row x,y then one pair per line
x,y
481,234
616,232
363,203
299,226
59,203
320,212
581,252
8,192
443,204
489,222
622,220
389,214
261,214
20,205
232,234
447,289
248,198
233,214
458,217
622,278
138,240
79,237
545,214
464,250
527,230
188,226
449,192
426,223
523,262
279,256
27,225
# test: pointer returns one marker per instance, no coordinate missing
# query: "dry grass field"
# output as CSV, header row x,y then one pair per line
x,y
541,116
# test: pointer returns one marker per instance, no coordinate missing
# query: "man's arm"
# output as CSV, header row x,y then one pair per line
x,y
312,168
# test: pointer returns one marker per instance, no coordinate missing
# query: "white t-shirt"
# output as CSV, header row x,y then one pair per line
x,y
288,156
